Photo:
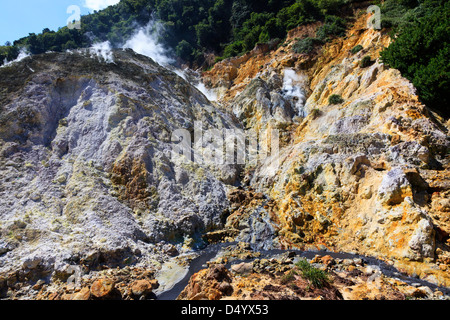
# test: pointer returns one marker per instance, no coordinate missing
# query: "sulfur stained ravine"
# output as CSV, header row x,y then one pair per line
x,y
90,193
367,175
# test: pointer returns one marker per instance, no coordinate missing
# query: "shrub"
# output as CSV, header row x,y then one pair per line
x,y
233,49
305,45
366,62
316,277
315,113
335,99
356,49
330,6
184,49
333,27
397,13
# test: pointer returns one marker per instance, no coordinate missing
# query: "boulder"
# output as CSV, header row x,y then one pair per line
x,y
83,294
242,268
422,242
103,289
394,187
141,288
219,273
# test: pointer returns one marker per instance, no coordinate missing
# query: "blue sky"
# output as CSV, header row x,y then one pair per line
x,y
19,18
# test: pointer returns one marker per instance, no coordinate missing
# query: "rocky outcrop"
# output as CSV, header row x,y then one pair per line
x,y
367,174
128,283
89,182
87,174
288,277
209,284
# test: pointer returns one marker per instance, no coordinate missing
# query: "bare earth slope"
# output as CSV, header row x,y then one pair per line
x,y
368,175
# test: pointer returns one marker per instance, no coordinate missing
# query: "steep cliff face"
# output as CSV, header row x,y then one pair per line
x,y
87,174
366,173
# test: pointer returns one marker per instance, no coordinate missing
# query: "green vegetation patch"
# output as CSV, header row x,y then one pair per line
x,y
356,49
333,27
305,45
318,278
421,49
335,99
366,62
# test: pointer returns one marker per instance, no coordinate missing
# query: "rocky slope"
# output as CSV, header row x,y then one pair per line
x,y
366,175
286,277
89,184
87,175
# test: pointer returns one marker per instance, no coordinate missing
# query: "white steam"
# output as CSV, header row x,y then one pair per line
x,y
195,80
292,88
22,55
209,93
145,42
103,50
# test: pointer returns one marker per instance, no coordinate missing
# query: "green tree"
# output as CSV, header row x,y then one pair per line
x,y
421,53
333,27
184,50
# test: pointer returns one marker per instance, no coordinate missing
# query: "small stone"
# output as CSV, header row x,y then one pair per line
x,y
438,293
219,273
155,284
31,263
141,288
426,291
242,268
61,179
347,262
264,262
369,271
102,288
327,260
226,288
394,187
35,197
367,193
83,295
38,285
415,292
316,259
171,250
